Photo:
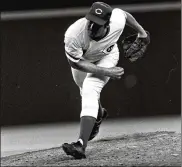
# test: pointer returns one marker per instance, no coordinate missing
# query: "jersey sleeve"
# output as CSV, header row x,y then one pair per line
x,y
119,16
73,50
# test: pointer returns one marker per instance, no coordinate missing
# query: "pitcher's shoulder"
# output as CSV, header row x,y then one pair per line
x,y
76,28
118,16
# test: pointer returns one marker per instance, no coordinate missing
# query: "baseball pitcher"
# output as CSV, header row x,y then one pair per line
x,y
92,52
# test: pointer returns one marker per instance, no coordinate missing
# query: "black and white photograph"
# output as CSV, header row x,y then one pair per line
x,y
91,83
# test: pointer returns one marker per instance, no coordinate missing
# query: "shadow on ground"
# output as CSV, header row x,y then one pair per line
x,y
159,148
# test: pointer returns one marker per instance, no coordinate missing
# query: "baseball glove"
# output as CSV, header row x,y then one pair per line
x,y
135,47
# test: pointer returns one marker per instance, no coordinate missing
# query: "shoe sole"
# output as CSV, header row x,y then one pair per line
x,y
73,152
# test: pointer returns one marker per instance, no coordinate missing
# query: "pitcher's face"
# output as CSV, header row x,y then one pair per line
x,y
95,30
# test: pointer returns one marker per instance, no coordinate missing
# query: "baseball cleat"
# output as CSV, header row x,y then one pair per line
x,y
96,127
74,149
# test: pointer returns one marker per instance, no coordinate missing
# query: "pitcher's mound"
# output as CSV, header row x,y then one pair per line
x,y
140,149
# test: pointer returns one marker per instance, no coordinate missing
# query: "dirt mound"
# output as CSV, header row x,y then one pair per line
x,y
140,149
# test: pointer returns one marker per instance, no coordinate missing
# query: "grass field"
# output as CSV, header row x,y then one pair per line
x,y
160,148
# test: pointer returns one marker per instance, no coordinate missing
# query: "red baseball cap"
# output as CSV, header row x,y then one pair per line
x,y
99,13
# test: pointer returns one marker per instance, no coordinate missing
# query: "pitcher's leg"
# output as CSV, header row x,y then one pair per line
x,y
91,89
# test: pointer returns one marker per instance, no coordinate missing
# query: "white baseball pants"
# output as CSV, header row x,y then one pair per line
x,y
91,85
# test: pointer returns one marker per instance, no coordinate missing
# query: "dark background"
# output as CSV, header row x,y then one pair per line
x,y
10,5
36,81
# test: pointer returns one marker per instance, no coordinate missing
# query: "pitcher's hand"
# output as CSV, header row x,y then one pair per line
x,y
115,72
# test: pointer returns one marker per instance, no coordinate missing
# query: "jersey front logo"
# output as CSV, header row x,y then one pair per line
x,y
108,49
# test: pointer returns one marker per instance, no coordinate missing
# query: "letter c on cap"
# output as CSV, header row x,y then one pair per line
x,y
98,11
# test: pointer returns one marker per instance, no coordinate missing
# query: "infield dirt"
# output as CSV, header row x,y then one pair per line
x,y
139,149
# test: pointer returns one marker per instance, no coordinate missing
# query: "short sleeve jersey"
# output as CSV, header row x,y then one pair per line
x,y
79,46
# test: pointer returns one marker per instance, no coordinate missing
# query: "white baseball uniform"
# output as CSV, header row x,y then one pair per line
x,y
104,53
